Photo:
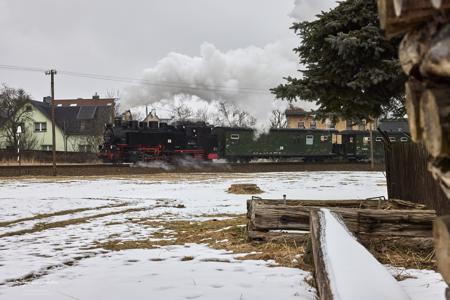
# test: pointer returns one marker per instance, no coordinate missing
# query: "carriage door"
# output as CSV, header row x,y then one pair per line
x,y
350,144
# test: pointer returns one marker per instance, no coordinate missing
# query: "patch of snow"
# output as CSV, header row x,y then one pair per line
x,y
160,274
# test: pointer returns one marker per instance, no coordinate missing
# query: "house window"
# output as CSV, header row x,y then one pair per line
x,y
84,148
324,138
313,124
379,139
40,126
234,136
349,125
392,139
73,104
309,139
46,147
403,139
83,124
301,125
28,108
366,140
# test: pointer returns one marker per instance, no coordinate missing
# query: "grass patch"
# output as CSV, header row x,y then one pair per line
x,y
58,213
45,226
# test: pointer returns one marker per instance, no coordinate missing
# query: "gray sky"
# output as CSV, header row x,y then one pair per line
x,y
134,37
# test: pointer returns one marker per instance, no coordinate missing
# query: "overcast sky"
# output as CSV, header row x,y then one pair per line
x,y
147,38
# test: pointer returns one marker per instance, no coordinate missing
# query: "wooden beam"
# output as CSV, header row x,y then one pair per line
x,y
320,270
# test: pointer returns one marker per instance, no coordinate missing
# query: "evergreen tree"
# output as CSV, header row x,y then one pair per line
x,y
351,70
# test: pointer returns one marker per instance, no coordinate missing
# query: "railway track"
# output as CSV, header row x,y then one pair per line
x,y
155,168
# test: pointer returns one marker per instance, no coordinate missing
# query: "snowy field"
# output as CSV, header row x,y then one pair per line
x,y
49,231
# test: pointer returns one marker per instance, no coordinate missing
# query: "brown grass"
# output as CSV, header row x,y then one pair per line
x,y
227,234
58,213
44,226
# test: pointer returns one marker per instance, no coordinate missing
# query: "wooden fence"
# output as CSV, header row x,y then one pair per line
x,y
408,177
36,156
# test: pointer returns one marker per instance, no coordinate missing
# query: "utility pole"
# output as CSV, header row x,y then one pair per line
x,y
371,144
52,74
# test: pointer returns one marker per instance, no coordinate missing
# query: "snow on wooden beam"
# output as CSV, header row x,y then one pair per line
x,y
344,269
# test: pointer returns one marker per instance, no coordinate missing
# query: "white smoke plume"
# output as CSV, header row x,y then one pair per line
x,y
241,77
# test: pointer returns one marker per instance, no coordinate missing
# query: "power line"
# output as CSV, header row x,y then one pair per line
x,y
186,86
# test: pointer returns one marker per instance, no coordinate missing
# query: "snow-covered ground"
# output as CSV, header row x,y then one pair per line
x,y
60,261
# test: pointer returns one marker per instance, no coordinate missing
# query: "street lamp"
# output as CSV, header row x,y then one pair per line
x,y
18,133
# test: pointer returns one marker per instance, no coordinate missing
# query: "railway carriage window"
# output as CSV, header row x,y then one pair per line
x,y
301,125
281,147
313,125
366,140
379,139
350,139
234,136
324,138
403,139
309,139
392,139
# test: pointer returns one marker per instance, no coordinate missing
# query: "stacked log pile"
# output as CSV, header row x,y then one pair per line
x,y
424,55
407,223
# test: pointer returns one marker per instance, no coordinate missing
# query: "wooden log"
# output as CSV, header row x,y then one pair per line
x,y
414,90
413,48
320,271
436,61
435,120
277,216
440,169
411,14
422,243
283,237
441,234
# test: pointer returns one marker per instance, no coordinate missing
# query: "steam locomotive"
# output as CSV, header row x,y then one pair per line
x,y
133,141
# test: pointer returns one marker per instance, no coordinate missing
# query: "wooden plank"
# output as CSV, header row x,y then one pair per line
x,y
320,272
343,268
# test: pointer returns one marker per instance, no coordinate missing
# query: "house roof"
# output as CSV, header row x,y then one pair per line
x,y
72,119
86,102
394,125
296,111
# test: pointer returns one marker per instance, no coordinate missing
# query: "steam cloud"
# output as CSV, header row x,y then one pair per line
x,y
241,77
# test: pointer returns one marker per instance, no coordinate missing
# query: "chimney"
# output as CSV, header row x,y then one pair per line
x,y
96,96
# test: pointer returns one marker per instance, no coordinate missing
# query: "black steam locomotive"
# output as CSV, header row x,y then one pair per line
x,y
132,141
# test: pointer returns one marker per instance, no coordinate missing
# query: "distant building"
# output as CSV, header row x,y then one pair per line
x,y
78,128
299,118
394,125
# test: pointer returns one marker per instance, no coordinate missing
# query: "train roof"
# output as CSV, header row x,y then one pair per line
x,y
277,129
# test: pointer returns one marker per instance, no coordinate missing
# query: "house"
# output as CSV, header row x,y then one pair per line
x,y
77,128
299,118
